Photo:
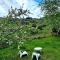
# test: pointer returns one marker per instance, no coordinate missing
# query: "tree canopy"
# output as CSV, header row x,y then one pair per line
x,y
50,6
14,13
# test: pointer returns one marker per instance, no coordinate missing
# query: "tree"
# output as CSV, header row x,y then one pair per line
x,y
50,7
51,11
22,12
14,13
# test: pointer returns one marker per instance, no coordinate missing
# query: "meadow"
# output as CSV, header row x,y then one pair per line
x,y
50,45
34,33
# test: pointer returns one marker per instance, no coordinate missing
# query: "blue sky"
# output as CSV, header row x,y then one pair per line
x,y
28,4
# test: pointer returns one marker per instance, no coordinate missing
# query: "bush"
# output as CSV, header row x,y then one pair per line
x,y
4,44
34,25
33,31
54,30
59,33
41,27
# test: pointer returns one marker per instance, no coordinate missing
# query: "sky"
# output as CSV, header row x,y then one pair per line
x,y
31,5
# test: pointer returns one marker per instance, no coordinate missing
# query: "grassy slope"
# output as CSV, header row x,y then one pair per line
x,y
50,45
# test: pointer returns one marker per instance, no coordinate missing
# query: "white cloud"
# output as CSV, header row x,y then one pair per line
x,y
28,4
2,11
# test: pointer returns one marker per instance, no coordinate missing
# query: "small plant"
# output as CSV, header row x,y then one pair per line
x,y
33,31
21,45
34,25
4,44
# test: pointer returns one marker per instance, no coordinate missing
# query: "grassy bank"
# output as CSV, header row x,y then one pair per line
x,y
50,45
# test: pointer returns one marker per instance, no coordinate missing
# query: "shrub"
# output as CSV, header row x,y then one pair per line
x,y
4,44
33,31
33,25
54,30
41,27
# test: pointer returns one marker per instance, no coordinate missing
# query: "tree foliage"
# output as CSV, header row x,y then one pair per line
x,y
14,13
51,7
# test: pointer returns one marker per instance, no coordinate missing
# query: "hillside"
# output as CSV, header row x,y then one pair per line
x,y
29,31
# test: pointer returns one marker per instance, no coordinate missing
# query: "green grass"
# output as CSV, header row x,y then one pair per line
x,y
50,45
